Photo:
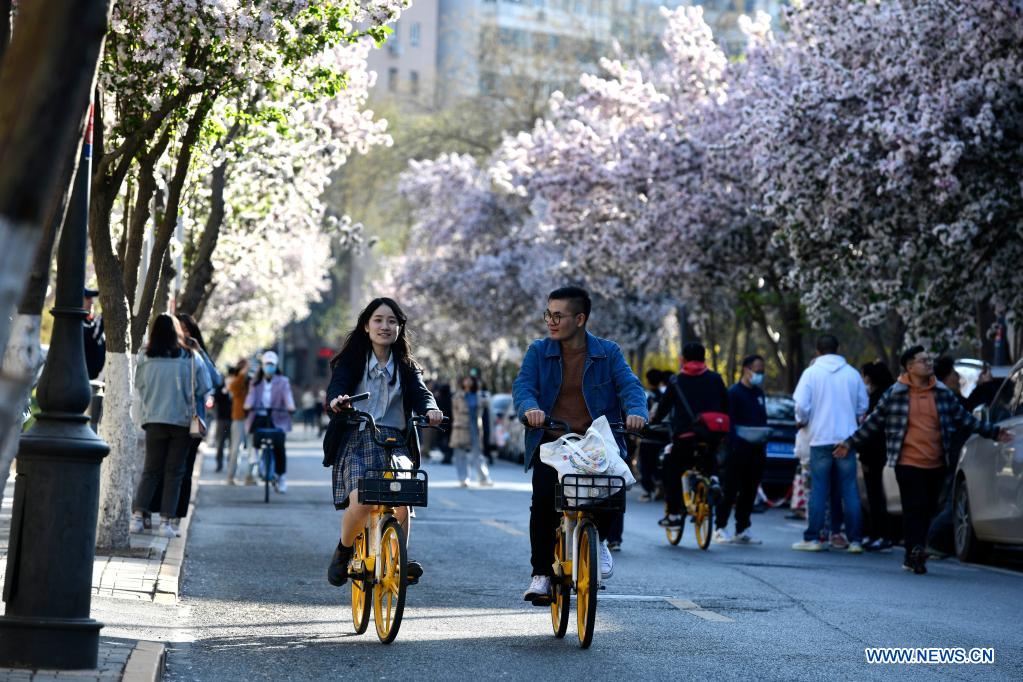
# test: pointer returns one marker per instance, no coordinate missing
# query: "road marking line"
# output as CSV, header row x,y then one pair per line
x,y
501,525
697,610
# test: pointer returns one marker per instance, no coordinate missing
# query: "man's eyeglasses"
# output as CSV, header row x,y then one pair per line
x,y
924,360
554,318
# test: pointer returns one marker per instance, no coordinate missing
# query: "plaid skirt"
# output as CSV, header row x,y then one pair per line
x,y
361,454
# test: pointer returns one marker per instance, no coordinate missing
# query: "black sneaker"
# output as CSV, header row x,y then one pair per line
x,y
918,559
337,572
671,521
415,572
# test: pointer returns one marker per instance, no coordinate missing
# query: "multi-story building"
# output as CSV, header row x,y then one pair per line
x,y
406,66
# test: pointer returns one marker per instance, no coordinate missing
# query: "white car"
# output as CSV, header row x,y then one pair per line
x,y
989,478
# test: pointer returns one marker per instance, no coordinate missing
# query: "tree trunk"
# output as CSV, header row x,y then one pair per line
x,y
163,293
22,359
141,214
795,358
200,274
46,78
733,346
117,476
5,37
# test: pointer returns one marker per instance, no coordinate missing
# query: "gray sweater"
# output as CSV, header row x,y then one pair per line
x,y
164,385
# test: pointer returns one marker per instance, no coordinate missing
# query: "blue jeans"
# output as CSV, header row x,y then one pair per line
x,y
822,464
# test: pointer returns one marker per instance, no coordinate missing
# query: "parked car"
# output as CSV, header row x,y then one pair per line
x,y
506,432
989,479
969,372
780,467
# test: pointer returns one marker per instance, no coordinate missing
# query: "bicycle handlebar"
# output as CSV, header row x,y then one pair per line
x,y
551,424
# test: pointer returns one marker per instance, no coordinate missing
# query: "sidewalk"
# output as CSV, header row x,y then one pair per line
x,y
150,571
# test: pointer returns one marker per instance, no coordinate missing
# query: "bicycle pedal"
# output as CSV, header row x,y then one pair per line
x,y
542,601
602,587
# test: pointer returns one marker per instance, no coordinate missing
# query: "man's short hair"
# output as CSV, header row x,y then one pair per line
x,y
577,297
943,367
910,353
654,376
694,352
827,344
750,359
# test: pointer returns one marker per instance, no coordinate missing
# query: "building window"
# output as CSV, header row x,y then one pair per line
x,y
392,79
413,79
414,34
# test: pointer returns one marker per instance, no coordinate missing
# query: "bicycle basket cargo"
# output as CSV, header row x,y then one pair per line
x,y
576,492
394,487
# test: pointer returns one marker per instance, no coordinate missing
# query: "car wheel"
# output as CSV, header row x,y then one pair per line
x,y
968,546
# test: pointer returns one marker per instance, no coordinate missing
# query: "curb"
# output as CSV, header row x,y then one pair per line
x,y
168,582
146,662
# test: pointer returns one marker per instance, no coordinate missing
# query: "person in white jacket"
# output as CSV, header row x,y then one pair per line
x,y
831,399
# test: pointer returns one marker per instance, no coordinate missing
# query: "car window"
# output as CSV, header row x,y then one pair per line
x,y
780,408
1006,399
1017,394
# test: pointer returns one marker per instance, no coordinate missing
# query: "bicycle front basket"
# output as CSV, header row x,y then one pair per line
x,y
583,492
394,487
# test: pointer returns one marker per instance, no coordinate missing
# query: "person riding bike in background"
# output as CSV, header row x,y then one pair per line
x,y
703,390
270,405
377,359
574,377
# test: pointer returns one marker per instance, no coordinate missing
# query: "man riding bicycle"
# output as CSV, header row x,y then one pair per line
x,y
694,391
575,377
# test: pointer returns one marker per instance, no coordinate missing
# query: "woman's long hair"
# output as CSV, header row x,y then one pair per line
x,y
357,345
880,377
191,327
166,339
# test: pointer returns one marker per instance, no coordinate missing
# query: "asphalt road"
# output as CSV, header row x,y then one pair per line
x,y
256,604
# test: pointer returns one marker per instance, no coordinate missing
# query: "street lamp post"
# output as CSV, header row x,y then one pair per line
x,y
48,587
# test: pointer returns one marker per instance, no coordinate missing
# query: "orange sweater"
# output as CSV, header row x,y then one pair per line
x,y
238,388
922,446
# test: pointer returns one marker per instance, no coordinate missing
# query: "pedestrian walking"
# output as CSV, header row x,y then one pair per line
x,y
919,418
467,432
445,403
270,404
193,336
565,376
651,447
222,405
308,409
693,395
376,358
238,387
831,398
93,336
171,379
747,453
877,379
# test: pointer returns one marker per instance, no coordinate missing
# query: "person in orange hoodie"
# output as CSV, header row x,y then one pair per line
x,y
919,417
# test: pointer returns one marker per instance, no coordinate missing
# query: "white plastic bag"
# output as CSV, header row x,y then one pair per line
x,y
802,446
596,452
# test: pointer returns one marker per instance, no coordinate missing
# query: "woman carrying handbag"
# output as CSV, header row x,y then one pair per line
x,y
170,380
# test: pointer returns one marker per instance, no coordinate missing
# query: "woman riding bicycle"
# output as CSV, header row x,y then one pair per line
x,y
269,405
376,358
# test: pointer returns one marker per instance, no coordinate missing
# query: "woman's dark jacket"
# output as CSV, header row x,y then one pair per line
x,y
415,398
873,452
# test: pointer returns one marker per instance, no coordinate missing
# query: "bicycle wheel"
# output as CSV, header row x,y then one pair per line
x,y
268,463
675,534
702,518
587,583
389,590
361,605
562,593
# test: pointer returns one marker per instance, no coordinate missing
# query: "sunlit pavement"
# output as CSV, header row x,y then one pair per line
x,y
256,604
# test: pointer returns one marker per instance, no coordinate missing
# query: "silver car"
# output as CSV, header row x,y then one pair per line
x,y
505,429
989,478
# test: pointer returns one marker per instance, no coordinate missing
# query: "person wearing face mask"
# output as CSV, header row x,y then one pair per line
x,y
269,405
747,453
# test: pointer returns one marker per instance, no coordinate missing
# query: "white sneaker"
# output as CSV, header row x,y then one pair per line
x,y
855,548
166,531
137,524
539,586
721,537
282,484
486,483
809,546
175,524
745,538
607,563
231,481
464,483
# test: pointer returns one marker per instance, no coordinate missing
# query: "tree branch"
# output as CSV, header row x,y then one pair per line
x,y
165,230
141,214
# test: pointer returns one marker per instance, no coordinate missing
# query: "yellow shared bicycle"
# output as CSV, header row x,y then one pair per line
x,y
576,544
379,566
